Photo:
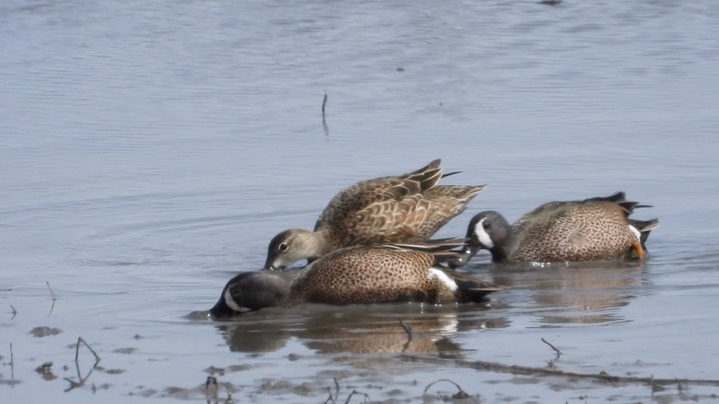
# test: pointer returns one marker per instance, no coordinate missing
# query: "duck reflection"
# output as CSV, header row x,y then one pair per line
x,y
576,293
360,328
261,331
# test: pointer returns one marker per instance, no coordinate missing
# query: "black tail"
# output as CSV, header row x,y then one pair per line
x,y
616,197
644,227
621,199
471,289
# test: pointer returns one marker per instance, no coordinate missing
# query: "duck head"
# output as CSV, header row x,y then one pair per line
x,y
250,291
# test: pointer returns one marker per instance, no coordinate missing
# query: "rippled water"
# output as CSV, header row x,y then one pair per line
x,y
150,150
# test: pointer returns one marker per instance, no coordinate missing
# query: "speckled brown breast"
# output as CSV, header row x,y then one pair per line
x,y
574,232
370,275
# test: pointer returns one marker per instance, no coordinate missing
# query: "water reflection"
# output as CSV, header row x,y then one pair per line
x,y
359,329
587,293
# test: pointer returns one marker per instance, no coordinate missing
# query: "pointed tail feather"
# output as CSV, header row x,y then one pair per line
x,y
452,173
427,176
434,246
447,252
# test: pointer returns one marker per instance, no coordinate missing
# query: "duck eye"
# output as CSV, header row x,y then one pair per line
x,y
486,225
283,246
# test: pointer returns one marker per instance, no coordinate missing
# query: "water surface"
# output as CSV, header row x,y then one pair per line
x,y
149,151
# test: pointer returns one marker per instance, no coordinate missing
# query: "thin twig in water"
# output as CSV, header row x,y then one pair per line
x,y
77,350
334,399
81,380
324,104
14,312
407,329
51,292
330,399
460,394
324,119
559,353
12,364
54,299
366,397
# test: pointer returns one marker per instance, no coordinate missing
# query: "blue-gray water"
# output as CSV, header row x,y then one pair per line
x,y
150,150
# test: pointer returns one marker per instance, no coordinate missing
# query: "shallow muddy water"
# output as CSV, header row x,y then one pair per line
x,y
150,150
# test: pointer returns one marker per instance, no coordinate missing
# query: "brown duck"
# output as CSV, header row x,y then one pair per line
x,y
359,275
588,230
397,209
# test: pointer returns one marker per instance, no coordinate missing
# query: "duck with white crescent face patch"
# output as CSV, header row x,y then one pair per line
x,y
388,273
569,231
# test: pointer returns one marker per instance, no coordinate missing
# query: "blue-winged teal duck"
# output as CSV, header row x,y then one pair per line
x,y
593,229
359,275
399,209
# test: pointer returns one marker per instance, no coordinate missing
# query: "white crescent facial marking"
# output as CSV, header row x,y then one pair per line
x,y
636,232
231,302
482,235
443,277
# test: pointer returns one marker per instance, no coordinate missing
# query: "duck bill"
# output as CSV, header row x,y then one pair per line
x,y
270,266
221,311
472,250
466,254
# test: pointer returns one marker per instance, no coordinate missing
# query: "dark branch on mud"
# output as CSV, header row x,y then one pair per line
x,y
366,397
535,371
14,312
334,399
656,387
559,353
337,392
460,394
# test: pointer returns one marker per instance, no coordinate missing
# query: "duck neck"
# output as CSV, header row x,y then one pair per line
x,y
502,251
320,244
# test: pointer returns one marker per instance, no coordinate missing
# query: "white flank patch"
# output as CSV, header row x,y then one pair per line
x,y
439,274
231,302
482,235
636,232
